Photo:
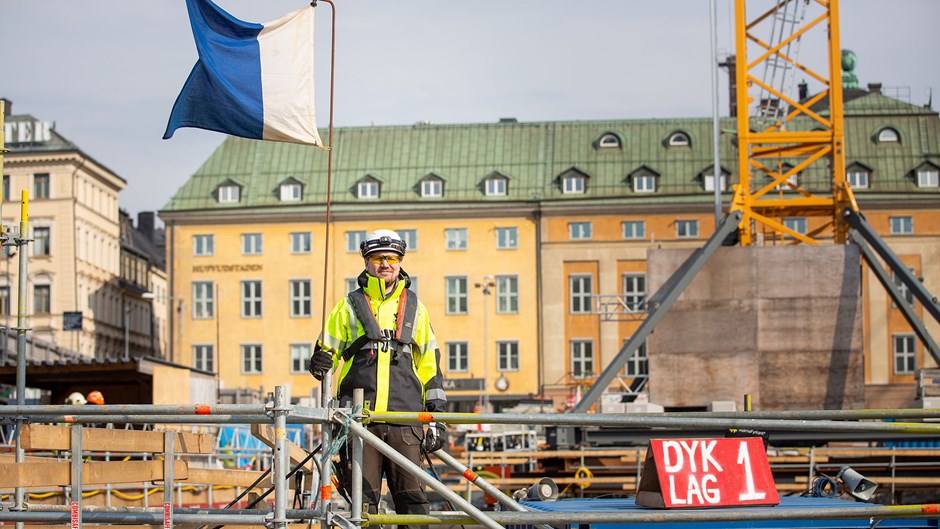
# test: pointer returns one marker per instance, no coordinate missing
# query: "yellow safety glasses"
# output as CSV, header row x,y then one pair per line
x,y
390,259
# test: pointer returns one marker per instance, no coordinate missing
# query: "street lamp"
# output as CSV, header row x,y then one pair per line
x,y
486,285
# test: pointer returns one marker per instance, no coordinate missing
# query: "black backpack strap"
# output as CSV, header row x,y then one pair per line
x,y
362,308
407,309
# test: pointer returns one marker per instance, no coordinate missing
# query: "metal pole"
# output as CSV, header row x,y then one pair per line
x,y
326,439
127,310
75,465
169,448
356,473
422,476
19,493
486,347
716,128
281,464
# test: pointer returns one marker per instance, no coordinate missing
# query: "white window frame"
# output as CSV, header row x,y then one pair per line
x,y
42,241
203,300
928,177
889,135
507,238
252,358
42,298
905,292
609,141
507,355
679,139
367,190
581,352
581,293
687,229
229,194
352,283
797,224
495,187
857,178
432,188
410,237
904,353
455,239
644,183
413,286
353,239
291,192
203,245
574,184
580,231
901,225
458,357
507,294
634,291
638,364
204,356
251,298
252,243
709,182
301,242
456,294
301,298
299,353
41,185
633,229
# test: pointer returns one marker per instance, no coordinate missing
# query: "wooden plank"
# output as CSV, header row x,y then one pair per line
x,y
11,458
45,437
235,478
93,473
265,434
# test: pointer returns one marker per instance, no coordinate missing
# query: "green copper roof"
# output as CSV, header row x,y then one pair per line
x,y
534,156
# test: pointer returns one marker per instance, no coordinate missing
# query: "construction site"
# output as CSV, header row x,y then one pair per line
x,y
780,372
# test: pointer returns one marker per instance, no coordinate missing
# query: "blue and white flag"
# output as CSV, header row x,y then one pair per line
x,y
251,80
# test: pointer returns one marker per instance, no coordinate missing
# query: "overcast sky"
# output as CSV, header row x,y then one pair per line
x,y
108,71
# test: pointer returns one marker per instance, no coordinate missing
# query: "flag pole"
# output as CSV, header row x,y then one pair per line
x,y
329,164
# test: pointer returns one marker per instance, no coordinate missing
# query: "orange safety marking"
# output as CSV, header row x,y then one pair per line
x,y
424,416
326,492
69,418
933,508
203,409
470,475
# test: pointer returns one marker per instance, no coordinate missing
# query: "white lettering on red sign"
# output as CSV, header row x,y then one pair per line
x,y
167,514
75,513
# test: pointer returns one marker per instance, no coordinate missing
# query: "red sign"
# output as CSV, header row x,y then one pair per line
x,y
706,473
76,512
167,515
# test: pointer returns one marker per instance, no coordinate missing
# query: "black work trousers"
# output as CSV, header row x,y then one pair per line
x,y
407,492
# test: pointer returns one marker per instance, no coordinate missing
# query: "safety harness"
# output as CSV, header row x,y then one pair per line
x,y
404,325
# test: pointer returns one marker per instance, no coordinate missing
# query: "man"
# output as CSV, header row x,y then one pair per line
x,y
382,335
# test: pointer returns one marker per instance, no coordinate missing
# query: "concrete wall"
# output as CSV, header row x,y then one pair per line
x,y
782,324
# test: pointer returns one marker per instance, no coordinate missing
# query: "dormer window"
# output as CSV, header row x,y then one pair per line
x,y
888,135
229,193
643,180
679,139
291,190
793,179
609,141
367,188
496,186
432,186
574,184
857,176
708,179
928,175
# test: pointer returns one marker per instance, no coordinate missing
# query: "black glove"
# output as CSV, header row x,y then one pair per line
x,y
435,438
320,362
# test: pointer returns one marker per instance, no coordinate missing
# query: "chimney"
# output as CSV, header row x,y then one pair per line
x,y
145,224
804,90
7,107
874,88
731,64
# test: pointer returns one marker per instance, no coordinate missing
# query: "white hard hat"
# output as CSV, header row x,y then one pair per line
x,y
382,241
76,399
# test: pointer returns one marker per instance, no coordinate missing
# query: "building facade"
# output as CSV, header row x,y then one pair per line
x,y
524,239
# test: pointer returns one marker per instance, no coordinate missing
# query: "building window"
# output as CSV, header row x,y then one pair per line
x,y
5,301
41,243
290,192
634,292
300,242
41,186
507,294
203,244
579,231
203,300
928,178
902,287
789,183
456,295
251,359
6,187
42,302
410,238
609,141
251,244
351,284
905,354
644,183
495,187
300,298
367,189
456,238
299,353
888,135
458,357
634,229
679,139
413,285
507,356
857,178
902,225
709,180
582,358
687,229
251,299
354,239
204,357
573,184
638,363
229,194
579,294
797,224
432,188
507,238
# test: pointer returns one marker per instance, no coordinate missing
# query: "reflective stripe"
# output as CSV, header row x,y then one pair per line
x,y
436,394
